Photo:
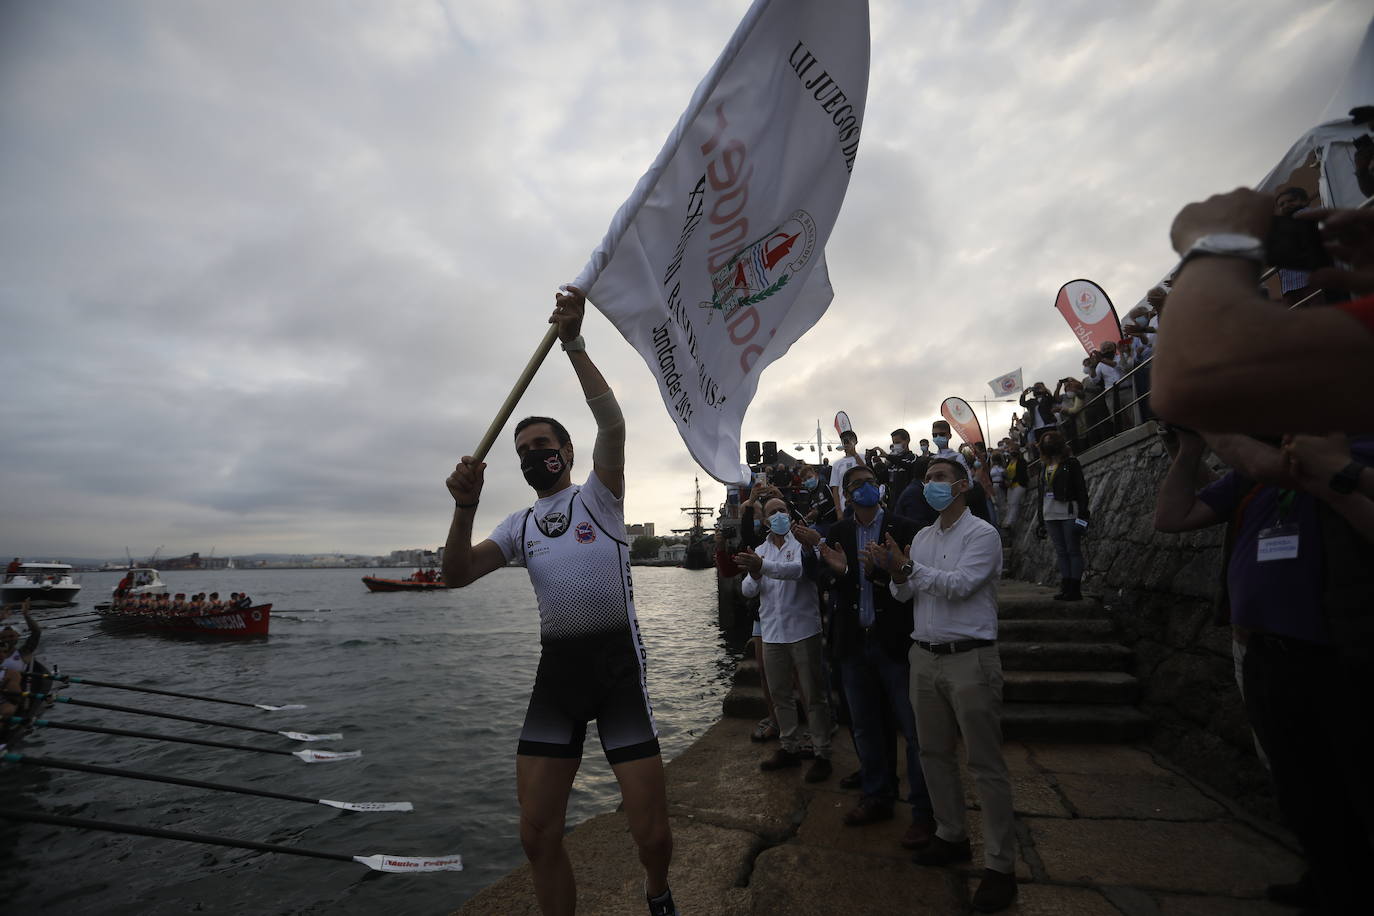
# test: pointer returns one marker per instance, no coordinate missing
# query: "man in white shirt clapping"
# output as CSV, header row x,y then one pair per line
x,y
952,568
790,620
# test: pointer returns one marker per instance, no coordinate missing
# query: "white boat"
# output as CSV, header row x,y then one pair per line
x,y
40,584
140,581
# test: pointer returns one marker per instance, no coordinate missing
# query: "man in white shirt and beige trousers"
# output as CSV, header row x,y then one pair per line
x,y
952,568
790,619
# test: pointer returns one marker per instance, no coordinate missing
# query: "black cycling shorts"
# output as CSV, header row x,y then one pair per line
x,y
590,677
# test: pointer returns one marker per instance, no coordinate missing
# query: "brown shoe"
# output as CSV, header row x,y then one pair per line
x,y
819,771
781,760
868,811
918,835
995,892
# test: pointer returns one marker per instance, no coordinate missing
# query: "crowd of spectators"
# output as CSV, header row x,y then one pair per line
x,y
883,565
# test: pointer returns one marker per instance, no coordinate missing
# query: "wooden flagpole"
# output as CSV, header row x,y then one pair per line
x,y
516,393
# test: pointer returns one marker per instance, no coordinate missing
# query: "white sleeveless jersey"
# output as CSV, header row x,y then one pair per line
x,y
14,663
578,563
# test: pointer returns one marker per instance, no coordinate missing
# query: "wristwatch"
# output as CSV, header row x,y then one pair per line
x,y
906,570
1227,245
1347,479
577,344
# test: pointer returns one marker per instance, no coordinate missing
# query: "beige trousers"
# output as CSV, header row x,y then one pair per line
x,y
963,693
803,658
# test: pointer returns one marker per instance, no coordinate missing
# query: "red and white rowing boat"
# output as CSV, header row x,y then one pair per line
x,y
248,621
414,583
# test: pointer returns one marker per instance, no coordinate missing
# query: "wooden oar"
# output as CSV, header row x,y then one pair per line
x,y
94,618
74,679
69,616
75,766
375,862
308,756
294,736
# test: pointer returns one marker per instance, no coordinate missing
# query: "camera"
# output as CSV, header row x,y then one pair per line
x,y
1295,244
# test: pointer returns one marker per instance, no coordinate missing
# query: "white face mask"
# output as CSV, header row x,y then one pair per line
x,y
898,448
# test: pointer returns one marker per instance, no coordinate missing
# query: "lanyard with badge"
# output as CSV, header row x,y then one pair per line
x,y
1281,541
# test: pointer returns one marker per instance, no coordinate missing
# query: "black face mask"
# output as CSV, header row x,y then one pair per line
x,y
542,467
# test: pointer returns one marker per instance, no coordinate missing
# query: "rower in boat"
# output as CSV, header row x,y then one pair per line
x,y
17,661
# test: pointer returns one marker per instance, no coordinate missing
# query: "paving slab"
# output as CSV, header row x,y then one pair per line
x,y
1096,758
707,869
718,781
1178,905
1165,798
1049,900
1031,791
1220,857
802,880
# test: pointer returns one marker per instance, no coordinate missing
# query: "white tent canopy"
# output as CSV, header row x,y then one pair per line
x,y
1333,141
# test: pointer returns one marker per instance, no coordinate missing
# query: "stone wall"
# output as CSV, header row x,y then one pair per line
x,y
1160,589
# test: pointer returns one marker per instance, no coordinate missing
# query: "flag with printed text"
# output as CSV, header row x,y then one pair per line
x,y
715,265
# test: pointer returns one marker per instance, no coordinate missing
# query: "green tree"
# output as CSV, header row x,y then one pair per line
x,y
645,547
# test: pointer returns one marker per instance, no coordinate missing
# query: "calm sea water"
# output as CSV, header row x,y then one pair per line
x,y
432,687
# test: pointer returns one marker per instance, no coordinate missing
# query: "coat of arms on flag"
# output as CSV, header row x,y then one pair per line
x,y
763,267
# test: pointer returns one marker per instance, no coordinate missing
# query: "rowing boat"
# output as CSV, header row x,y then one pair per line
x,y
249,621
411,584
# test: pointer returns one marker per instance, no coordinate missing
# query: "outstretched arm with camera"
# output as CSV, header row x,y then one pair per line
x,y
1212,372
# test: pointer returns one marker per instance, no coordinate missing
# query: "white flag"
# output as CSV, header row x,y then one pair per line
x,y
1007,384
715,265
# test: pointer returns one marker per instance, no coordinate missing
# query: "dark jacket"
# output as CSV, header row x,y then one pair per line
x,y
1068,486
1016,472
1041,408
749,536
913,506
892,618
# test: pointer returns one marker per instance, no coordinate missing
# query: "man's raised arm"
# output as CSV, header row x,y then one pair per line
x,y
608,454
463,563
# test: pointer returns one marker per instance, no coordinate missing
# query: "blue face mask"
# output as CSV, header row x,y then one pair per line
x,y
810,483
779,523
866,496
941,441
758,526
939,494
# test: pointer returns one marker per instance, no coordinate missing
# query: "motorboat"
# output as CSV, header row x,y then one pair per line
x,y
140,581
41,584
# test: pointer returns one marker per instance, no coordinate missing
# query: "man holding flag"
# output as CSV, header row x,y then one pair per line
x,y
711,269
591,663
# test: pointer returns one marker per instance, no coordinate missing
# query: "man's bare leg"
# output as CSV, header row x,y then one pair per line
x,y
646,807
543,785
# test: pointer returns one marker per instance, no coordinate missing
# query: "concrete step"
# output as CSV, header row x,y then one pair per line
x,y
1099,687
1073,723
744,703
1064,656
1046,608
1055,630
1018,600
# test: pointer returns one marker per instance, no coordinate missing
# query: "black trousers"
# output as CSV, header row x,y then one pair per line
x,y
1310,707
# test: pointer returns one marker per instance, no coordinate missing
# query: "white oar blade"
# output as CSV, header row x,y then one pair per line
x,y
405,864
302,736
369,806
326,756
276,708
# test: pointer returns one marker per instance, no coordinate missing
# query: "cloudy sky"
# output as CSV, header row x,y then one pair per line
x,y
267,269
